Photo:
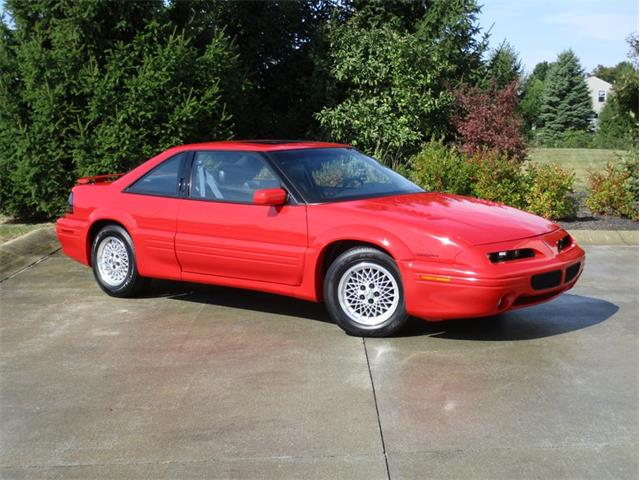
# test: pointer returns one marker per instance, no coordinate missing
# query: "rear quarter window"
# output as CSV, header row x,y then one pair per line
x,y
161,180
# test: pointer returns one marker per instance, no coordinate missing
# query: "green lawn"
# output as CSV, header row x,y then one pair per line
x,y
580,160
10,230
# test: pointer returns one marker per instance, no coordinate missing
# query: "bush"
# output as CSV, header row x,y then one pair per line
x,y
499,178
615,190
569,139
487,120
550,192
543,190
631,167
442,169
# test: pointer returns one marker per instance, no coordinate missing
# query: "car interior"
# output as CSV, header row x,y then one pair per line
x,y
231,176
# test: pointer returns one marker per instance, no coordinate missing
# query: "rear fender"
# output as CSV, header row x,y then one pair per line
x,y
116,216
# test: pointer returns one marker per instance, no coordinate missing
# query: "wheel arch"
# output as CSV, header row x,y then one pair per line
x,y
95,227
334,248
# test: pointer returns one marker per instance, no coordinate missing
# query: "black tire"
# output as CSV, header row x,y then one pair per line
x,y
132,282
342,312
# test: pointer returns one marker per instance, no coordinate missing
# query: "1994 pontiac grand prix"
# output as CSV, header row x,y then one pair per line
x,y
317,221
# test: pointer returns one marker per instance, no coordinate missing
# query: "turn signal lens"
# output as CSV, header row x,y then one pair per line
x,y
434,278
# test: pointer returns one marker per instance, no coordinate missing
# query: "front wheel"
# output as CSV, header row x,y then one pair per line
x,y
114,262
363,293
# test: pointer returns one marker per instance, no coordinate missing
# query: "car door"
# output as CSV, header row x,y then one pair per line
x,y
221,232
152,202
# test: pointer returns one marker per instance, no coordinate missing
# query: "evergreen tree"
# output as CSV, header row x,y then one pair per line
x,y
504,66
281,46
566,104
540,71
95,87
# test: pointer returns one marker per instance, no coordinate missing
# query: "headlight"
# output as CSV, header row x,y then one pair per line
x,y
508,255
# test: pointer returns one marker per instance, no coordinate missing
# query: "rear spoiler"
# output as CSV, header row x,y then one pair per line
x,y
108,178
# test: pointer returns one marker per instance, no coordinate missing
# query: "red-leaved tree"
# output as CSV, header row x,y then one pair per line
x,y
486,119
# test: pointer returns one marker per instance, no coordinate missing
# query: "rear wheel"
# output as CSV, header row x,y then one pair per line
x,y
363,292
114,262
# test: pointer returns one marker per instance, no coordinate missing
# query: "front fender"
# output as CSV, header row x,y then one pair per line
x,y
365,234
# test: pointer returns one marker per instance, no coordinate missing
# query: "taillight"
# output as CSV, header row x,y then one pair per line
x,y
70,203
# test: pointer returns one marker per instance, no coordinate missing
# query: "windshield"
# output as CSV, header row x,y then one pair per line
x,y
327,174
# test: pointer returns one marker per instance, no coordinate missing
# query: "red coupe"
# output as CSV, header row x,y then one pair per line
x,y
317,221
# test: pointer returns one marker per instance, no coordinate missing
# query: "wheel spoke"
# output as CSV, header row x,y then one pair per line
x,y
113,261
368,293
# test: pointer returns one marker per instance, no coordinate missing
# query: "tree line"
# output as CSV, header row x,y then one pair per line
x,y
96,87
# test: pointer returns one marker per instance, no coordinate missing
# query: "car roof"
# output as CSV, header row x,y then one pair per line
x,y
260,145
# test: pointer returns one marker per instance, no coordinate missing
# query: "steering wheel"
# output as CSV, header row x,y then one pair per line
x,y
360,179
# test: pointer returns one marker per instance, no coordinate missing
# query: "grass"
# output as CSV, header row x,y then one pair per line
x,y
9,229
580,160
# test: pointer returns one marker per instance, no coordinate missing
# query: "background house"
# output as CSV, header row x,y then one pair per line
x,y
599,91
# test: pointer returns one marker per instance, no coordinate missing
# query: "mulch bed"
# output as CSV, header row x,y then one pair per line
x,y
590,221
599,222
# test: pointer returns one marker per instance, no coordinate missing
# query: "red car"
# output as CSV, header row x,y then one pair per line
x,y
317,221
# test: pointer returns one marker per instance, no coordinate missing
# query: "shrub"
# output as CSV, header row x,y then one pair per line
x,y
615,190
568,139
543,190
631,167
441,168
550,192
499,178
487,120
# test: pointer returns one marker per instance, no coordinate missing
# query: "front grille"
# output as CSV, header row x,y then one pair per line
x,y
546,280
528,300
571,272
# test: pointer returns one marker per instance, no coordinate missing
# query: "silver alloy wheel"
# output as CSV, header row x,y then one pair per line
x,y
368,293
113,261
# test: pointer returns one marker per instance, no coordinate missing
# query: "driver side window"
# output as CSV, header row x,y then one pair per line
x,y
230,176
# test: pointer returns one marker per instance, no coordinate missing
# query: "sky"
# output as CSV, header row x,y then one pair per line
x,y
540,29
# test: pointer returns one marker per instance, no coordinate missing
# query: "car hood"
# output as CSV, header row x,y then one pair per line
x,y
474,221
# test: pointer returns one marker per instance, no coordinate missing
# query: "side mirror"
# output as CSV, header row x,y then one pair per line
x,y
270,196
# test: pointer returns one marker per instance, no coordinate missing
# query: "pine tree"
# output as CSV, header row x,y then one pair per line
x,y
95,87
566,104
504,66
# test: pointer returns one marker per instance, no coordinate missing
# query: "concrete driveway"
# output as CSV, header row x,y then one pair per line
x,y
205,382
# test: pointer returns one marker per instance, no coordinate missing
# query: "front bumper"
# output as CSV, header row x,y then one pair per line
x,y
438,291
